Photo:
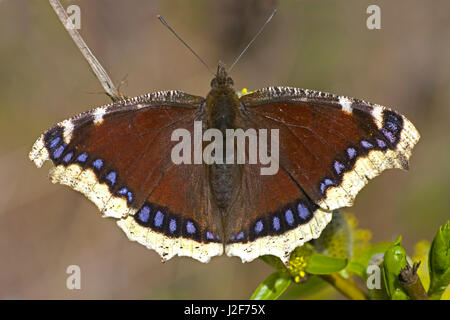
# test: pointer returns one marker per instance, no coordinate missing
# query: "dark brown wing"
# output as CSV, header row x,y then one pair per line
x,y
119,156
329,147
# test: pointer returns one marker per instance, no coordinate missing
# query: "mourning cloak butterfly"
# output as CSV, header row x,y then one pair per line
x,y
119,156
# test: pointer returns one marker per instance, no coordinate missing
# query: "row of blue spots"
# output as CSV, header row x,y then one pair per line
x,y
303,214
234,238
144,215
59,146
389,130
392,126
210,236
54,143
111,177
339,167
55,147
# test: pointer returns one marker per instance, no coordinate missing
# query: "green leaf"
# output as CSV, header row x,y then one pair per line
x,y
360,263
314,288
439,262
357,268
439,285
322,264
394,262
272,287
364,257
275,262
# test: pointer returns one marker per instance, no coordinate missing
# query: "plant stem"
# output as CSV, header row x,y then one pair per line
x,y
410,281
96,67
345,286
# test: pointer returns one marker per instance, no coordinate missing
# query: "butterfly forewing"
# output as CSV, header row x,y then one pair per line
x,y
332,145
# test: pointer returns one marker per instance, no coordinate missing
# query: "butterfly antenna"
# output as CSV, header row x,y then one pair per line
x,y
251,41
183,42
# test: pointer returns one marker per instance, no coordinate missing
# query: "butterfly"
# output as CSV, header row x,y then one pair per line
x,y
119,157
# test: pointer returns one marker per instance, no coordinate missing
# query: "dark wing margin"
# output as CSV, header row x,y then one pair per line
x,y
332,145
118,155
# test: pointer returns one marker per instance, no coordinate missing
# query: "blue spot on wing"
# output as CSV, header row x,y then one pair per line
x,y
173,225
130,196
289,217
276,223
68,157
54,142
259,226
58,152
190,228
111,177
381,143
366,144
326,182
338,167
351,153
388,135
98,164
159,219
144,214
209,236
82,157
122,191
303,211
391,126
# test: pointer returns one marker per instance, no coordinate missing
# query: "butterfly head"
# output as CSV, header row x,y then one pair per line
x,y
221,80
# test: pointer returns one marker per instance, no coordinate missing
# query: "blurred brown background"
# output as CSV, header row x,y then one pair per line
x,y
322,45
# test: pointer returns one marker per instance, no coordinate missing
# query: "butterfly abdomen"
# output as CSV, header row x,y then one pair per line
x,y
222,109
222,177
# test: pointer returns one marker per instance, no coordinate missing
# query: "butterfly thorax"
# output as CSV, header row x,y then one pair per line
x,y
222,109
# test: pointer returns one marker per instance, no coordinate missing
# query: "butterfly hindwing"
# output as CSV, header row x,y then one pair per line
x,y
272,215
